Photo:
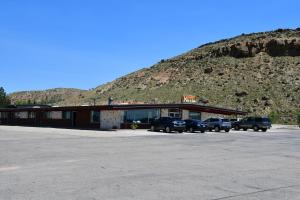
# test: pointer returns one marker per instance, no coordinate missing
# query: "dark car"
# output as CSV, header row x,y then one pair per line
x,y
168,124
193,125
218,124
255,123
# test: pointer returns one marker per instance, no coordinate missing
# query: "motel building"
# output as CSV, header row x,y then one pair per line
x,y
108,116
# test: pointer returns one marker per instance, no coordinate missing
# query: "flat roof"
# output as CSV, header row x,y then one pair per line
x,y
191,107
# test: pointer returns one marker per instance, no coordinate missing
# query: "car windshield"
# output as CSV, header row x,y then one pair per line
x,y
176,119
225,120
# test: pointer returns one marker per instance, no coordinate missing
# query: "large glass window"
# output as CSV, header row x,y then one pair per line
x,y
53,114
31,115
21,115
195,115
141,116
95,116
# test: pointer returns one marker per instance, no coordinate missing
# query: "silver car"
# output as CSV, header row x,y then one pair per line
x,y
218,124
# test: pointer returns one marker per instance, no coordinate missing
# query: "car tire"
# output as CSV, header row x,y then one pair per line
x,y
227,130
255,128
152,128
191,130
210,129
217,129
264,129
236,127
202,131
180,131
168,129
245,129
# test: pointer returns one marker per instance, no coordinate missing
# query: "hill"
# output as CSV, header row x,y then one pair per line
x,y
256,72
56,96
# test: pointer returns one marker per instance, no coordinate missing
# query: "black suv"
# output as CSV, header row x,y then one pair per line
x,y
168,124
255,123
193,125
218,124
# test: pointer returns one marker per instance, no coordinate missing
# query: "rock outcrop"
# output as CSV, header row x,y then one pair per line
x,y
273,47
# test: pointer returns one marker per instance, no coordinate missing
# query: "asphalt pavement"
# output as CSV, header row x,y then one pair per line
x,y
50,164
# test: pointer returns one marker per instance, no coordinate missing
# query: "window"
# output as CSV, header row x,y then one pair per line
x,y
95,116
195,115
250,119
142,116
3,115
53,115
21,115
47,115
175,113
66,115
31,115
225,120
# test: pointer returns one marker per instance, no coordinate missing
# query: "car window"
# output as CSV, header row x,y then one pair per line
x,y
265,119
225,120
258,119
250,119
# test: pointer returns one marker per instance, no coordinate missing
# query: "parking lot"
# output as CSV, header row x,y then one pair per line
x,y
48,163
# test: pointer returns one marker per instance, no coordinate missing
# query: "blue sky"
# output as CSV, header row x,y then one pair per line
x,y
85,43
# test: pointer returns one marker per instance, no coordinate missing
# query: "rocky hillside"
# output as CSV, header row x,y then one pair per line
x,y
257,72
57,96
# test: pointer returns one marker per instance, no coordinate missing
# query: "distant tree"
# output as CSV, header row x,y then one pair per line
x,y
4,99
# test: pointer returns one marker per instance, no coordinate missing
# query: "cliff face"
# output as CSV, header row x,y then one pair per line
x,y
273,47
256,72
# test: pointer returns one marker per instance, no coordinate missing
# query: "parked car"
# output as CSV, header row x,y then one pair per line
x,y
193,125
218,124
168,124
255,123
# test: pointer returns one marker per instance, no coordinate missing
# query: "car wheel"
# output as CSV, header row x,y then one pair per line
x,y
202,131
236,127
245,129
227,130
191,130
210,129
168,129
217,129
255,128
180,131
264,129
153,128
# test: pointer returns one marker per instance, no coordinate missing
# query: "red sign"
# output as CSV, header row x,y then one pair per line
x,y
189,99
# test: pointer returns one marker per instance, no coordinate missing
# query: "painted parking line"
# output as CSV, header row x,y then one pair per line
x,y
9,168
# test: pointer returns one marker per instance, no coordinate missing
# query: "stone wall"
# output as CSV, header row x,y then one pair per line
x,y
185,114
164,112
111,119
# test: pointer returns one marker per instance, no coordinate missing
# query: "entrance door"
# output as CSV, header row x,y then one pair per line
x,y
74,119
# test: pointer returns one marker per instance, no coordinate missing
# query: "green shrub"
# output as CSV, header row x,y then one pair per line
x,y
274,117
134,126
298,117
